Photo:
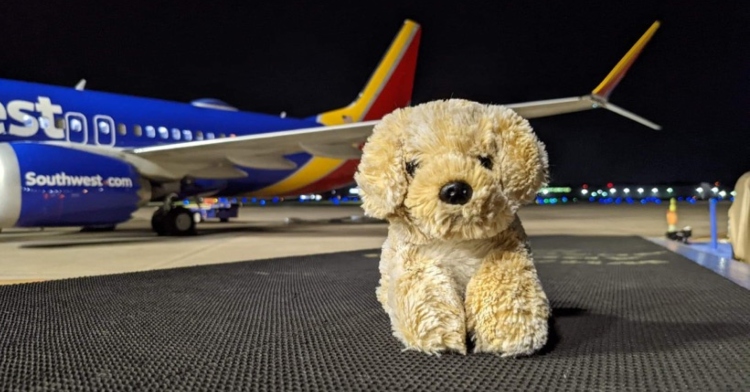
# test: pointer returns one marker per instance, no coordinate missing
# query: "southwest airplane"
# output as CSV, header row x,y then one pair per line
x,y
73,157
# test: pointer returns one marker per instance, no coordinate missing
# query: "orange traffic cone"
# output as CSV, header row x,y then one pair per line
x,y
672,216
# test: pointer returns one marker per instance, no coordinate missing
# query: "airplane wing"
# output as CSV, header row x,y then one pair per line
x,y
216,158
551,107
599,97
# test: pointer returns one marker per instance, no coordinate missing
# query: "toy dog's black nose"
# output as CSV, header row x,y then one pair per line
x,y
457,192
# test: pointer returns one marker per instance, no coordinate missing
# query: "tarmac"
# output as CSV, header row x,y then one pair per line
x,y
32,255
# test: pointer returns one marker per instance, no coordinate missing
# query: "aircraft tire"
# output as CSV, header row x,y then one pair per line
x,y
157,222
179,222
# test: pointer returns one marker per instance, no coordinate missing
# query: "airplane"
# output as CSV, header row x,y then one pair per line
x,y
75,157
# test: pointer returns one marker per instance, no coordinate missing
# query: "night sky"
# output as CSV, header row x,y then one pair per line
x,y
303,58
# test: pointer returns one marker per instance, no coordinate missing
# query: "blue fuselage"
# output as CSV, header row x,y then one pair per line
x,y
31,112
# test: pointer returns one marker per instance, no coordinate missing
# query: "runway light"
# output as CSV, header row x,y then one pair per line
x,y
626,190
699,190
604,193
640,190
733,193
545,191
670,190
613,191
723,193
714,189
654,190
584,192
354,191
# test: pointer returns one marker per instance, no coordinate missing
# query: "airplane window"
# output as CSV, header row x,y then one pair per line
x,y
187,135
122,129
198,135
60,123
175,134
137,131
210,135
221,135
104,127
163,132
75,125
150,131
43,122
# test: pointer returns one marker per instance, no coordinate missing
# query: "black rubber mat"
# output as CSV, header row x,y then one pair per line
x,y
629,316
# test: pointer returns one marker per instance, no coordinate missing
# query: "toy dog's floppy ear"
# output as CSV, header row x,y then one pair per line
x,y
523,158
381,175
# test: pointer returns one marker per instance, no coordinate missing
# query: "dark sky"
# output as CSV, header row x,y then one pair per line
x,y
303,58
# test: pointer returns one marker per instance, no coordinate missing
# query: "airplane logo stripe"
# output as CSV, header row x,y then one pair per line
x,y
358,109
315,169
383,75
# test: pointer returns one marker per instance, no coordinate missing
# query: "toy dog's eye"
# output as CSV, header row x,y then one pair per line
x,y
411,166
486,162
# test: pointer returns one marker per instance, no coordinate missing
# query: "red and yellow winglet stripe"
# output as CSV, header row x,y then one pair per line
x,y
618,72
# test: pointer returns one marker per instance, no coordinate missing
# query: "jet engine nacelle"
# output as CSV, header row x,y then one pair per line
x,y
50,185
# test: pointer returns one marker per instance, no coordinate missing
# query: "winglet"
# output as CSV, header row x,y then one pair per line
x,y
618,72
390,86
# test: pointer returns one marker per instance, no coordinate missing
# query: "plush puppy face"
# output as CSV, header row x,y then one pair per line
x,y
452,169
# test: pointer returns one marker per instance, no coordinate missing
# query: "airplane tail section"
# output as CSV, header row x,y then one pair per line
x,y
390,86
599,97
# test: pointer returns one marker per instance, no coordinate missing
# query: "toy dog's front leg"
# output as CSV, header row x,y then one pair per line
x,y
426,309
506,308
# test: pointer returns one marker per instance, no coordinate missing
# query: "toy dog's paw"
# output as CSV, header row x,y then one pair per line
x,y
436,333
511,333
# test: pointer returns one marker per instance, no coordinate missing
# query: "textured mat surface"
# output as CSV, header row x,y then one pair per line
x,y
629,316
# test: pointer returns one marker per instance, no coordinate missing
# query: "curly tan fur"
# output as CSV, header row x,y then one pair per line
x,y
452,269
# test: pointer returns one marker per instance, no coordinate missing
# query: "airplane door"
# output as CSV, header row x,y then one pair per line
x,y
76,128
105,130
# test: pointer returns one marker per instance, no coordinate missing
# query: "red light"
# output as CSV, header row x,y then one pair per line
x,y
585,186
610,185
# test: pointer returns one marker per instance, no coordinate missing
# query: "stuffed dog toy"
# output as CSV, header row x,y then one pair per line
x,y
449,176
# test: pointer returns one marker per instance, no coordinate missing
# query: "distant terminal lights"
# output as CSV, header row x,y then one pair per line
x,y
551,195
643,194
